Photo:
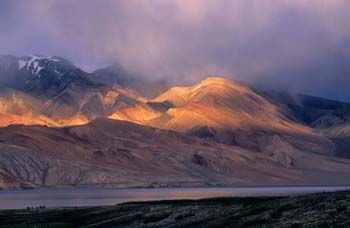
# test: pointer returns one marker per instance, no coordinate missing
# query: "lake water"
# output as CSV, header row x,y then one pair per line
x,y
96,197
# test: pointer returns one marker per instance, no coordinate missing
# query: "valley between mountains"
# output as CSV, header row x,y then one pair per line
x,y
64,127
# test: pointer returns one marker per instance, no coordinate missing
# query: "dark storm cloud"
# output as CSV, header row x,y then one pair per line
x,y
298,45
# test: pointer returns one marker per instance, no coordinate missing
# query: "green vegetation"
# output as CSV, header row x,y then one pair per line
x,y
315,210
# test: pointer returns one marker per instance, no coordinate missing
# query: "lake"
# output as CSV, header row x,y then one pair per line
x,y
19,199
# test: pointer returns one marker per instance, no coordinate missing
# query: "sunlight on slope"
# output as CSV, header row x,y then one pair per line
x,y
9,119
214,102
140,114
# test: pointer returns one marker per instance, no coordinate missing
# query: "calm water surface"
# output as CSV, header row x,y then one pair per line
x,y
96,197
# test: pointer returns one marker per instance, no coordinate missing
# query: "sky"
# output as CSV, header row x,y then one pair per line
x,y
296,45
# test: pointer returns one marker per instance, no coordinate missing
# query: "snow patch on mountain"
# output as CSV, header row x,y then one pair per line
x,y
34,62
21,63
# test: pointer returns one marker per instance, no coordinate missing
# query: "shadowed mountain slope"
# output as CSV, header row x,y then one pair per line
x,y
330,118
116,75
110,153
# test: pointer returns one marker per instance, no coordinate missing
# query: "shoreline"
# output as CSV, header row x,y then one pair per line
x,y
311,210
81,187
53,198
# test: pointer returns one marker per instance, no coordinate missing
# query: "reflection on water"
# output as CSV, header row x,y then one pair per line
x,y
96,197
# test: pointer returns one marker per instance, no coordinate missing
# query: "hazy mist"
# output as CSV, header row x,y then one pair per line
x,y
302,46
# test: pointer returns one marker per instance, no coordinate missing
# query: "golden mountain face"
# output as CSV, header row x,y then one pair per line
x,y
75,106
215,108
214,102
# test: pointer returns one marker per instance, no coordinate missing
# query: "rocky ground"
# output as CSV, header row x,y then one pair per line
x,y
114,154
315,210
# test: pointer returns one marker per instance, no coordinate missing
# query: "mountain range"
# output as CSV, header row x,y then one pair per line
x,y
64,127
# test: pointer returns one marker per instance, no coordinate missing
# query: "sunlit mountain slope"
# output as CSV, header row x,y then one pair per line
x,y
229,113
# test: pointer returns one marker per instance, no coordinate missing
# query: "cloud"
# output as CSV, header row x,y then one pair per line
x,y
298,45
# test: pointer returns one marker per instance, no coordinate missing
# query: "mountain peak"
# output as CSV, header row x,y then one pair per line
x,y
36,63
209,87
215,80
41,75
222,83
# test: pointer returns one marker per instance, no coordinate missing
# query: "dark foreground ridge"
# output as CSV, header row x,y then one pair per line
x,y
314,210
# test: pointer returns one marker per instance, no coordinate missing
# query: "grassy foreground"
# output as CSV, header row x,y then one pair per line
x,y
315,210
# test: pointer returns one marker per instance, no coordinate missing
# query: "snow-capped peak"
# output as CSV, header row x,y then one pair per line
x,y
44,66
32,62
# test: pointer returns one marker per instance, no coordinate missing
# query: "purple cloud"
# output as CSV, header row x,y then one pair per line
x,y
300,45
